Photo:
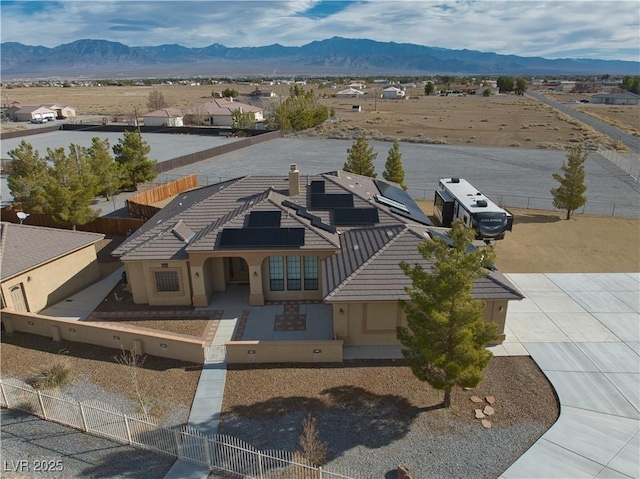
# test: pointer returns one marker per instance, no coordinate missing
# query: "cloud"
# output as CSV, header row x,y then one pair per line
x,y
552,29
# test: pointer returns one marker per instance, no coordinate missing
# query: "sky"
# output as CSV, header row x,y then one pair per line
x,y
603,29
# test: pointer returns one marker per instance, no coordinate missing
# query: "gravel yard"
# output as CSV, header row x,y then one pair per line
x,y
374,417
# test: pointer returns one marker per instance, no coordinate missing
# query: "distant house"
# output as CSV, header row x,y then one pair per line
x,y
392,93
29,112
219,112
264,93
335,238
164,117
626,98
42,266
494,90
19,112
350,93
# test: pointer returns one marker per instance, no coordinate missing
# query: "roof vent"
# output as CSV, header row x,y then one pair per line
x,y
481,203
455,180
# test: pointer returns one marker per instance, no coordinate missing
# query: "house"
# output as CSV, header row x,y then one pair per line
x,y
41,266
19,112
264,93
625,98
335,238
29,112
350,93
392,93
164,117
219,112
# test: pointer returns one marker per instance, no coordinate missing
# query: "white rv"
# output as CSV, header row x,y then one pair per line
x,y
458,199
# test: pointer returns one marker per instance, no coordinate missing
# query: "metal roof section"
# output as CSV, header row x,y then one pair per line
x,y
400,202
24,247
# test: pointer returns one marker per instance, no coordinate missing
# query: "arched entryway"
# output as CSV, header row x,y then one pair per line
x,y
237,270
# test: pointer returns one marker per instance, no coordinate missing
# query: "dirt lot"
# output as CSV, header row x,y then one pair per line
x,y
501,121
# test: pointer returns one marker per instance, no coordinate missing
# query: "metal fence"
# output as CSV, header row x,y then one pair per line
x,y
220,453
628,165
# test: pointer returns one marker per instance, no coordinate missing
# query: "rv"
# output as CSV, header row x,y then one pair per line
x,y
458,199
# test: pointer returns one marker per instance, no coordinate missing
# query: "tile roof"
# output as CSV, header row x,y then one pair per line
x,y
165,113
222,106
25,247
378,277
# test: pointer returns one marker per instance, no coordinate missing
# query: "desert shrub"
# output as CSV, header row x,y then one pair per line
x,y
515,144
528,139
51,376
311,448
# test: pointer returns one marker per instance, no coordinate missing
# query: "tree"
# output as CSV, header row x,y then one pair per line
x,y
131,154
486,92
570,194
444,343
156,101
28,178
243,119
72,187
104,167
229,93
631,84
393,170
312,448
360,159
521,86
429,89
300,111
505,83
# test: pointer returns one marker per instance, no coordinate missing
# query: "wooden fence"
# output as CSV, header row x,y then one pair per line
x,y
219,453
107,225
141,204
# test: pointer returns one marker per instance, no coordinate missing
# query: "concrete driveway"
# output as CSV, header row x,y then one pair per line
x,y
583,331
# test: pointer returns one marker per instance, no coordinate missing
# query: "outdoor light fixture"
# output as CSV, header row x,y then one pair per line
x,y
317,351
197,274
162,345
251,351
72,330
341,311
116,337
255,274
501,309
30,323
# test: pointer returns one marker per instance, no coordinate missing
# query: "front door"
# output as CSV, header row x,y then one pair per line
x,y
238,270
17,298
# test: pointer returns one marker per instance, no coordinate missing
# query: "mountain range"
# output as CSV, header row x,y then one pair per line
x,y
334,56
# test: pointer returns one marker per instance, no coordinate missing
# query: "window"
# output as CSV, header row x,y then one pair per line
x,y
311,272
276,273
167,281
294,273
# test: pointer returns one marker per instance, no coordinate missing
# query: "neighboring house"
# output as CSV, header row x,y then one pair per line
x,y
29,112
41,266
626,98
66,111
219,112
264,93
164,117
350,93
392,93
336,238
481,89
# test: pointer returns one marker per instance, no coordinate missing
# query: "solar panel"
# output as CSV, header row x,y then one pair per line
x,y
329,201
265,238
315,220
264,219
317,187
402,202
447,239
355,216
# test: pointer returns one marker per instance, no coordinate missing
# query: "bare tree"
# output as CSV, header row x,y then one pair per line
x,y
156,101
311,448
134,362
197,114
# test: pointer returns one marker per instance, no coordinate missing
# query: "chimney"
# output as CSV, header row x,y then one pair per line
x,y
294,181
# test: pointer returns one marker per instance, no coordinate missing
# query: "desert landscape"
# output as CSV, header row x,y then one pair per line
x,y
498,121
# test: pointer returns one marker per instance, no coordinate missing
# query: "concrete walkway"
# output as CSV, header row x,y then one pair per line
x,y
83,303
583,331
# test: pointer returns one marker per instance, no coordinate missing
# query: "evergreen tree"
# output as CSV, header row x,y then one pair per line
x,y
444,343
300,111
72,187
505,84
429,89
131,154
104,167
360,159
393,170
570,194
156,101
28,178
243,119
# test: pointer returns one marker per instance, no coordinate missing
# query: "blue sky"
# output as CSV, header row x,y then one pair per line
x,y
552,29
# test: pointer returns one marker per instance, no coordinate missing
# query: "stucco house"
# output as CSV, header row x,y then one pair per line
x,y
41,266
219,112
392,93
336,238
350,93
164,117
29,112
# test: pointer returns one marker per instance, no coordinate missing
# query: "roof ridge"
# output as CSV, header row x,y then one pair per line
x,y
368,261
491,275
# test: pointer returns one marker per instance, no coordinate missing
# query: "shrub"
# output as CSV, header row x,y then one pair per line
x,y
51,376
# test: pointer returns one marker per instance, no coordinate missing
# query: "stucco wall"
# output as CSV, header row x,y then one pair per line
x,y
247,352
368,324
54,281
140,275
